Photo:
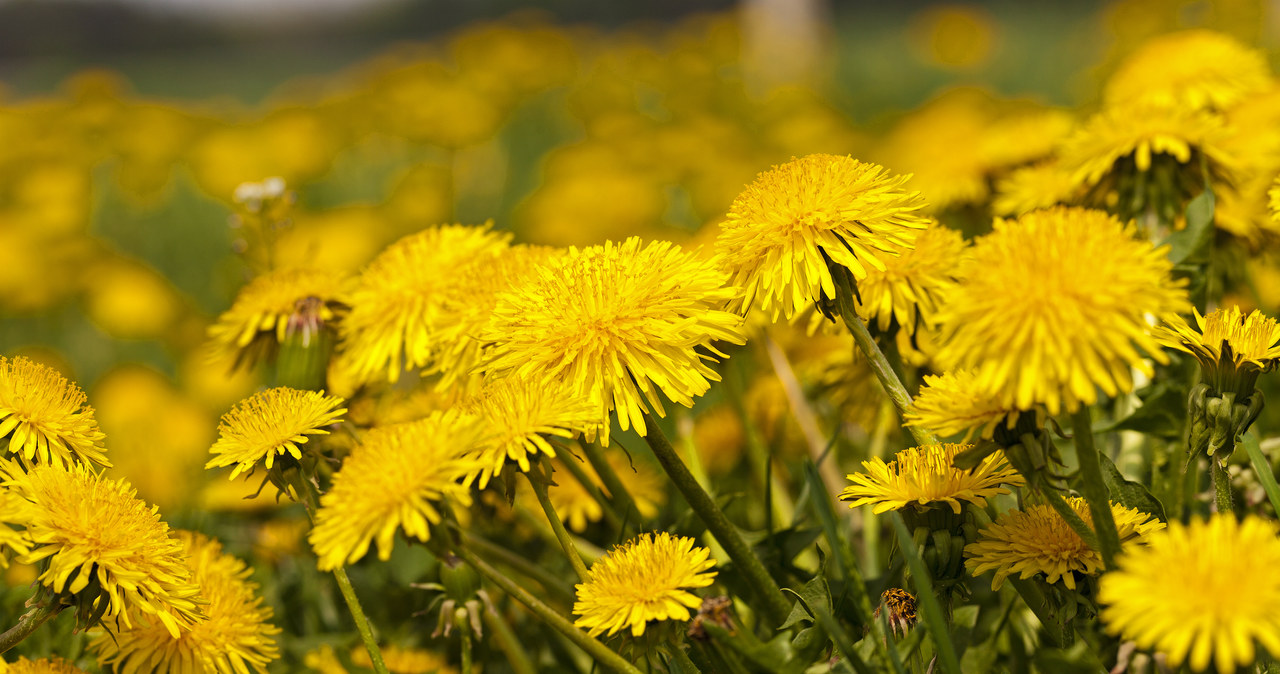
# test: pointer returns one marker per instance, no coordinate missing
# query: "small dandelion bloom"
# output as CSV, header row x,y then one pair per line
x,y
234,638
1228,343
264,311
1030,188
49,665
269,424
953,403
617,324
1039,540
910,287
96,534
400,660
394,480
927,475
45,416
1201,593
324,660
521,418
397,304
1054,306
643,580
1198,69
796,218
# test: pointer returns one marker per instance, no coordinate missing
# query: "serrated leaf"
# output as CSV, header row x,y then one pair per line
x,y
1127,492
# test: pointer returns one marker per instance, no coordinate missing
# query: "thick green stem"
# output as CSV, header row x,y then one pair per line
x,y
566,541
507,640
1093,488
1222,486
626,506
594,648
777,608
28,624
879,364
362,622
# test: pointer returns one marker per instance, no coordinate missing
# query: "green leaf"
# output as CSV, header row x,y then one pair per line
x,y
1079,659
970,458
1127,492
814,593
1192,242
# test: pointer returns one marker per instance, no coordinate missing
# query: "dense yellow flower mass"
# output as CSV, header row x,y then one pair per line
x,y
45,416
642,580
1039,541
234,637
95,535
1198,69
617,324
1054,307
50,665
912,285
1225,342
394,480
796,218
269,424
271,305
14,540
953,403
1204,593
926,475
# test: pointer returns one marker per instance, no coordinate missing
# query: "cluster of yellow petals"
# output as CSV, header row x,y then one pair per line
x,y
923,476
269,424
45,416
1253,338
267,306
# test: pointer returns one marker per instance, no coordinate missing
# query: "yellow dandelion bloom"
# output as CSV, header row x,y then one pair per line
x,y
926,475
397,303
1198,69
910,287
324,660
520,418
392,480
1227,339
795,219
234,638
94,533
954,403
400,660
49,665
45,416
642,580
271,305
1038,540
578,508
269,424
1054,306
1024,136
1201,593
958,120
1033,187
617,324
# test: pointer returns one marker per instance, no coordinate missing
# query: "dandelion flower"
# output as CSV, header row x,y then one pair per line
x,y
269,424
397,304
1030,188
234,638
796,218
1039,540
324,660
1054,306
1200,593
520,417
394,480
953,403
643,580
13,539
1197,69
404,660
1227,343
1141,133
926,475
910,287
50,665
269,307
45,416
95,533
617,324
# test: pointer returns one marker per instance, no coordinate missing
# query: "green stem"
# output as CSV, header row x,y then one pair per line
x,y
549,582
28,624
362,623
1222,486
1093,488
466,651
1064,509
934,618
594,648
570,550
626,506
1262,467
879,364
776,605
517,656
580,474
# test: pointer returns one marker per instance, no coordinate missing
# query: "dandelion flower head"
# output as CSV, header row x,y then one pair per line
x,y
1202,593
1030,188
401,660
953,403
1038,540
1227,342
1197,69
269,424
267,308
617,324
643,580
49,665
394,479
45,416
910,287
234,638
1054,306
926,475
784,229
95,533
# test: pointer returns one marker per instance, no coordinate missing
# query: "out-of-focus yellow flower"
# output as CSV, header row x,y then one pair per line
x,y
1031,188
400,660
234,637
338,240
578,508
50,665
1199,69
957,120
907,292
719,437
14,540
954,402
953,37
270,424
45,416
270,307
923,476
129,300
324,660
